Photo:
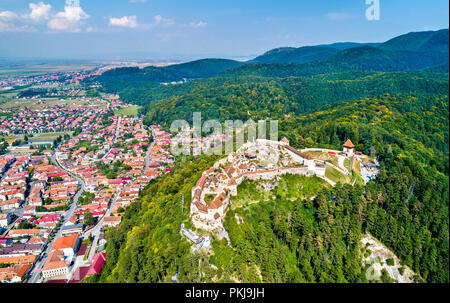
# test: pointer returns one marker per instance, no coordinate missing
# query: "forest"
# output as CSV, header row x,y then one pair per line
x,y
285,240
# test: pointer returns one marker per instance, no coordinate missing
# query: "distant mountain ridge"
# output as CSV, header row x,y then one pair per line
x,y
295,55
419,42
413,51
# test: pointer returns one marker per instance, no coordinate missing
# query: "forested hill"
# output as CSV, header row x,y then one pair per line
x,y
190,70
426,51
296,55
256,98
285,240
368,93
429,43
436,41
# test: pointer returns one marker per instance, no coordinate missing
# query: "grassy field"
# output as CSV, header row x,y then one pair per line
x,y
323,156
48,136
290,187
128,111
15,104
347,164
37,69
336,176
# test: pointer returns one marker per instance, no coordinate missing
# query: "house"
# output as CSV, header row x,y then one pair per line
x,y
79,274
14,233
18,259
68,245
9,204
13,274
97,263
55,265
20,250
72,229
72,221
48,220
112,221
5,219
4,241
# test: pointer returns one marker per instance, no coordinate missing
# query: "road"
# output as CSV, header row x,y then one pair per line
x,y
19,213
116,135
95,232
35,274
147,155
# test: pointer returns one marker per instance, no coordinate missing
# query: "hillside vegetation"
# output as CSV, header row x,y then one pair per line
x,y
282,240
391,99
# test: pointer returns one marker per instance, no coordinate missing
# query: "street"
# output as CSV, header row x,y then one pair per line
x,y
35,274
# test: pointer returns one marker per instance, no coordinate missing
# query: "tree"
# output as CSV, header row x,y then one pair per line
x,y
88,219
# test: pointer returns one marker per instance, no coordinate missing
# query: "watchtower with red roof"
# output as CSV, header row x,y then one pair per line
x,y
348,148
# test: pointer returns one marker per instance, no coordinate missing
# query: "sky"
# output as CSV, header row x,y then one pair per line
x,y
171,29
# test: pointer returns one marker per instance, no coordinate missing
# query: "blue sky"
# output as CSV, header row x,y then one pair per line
x,y
199,28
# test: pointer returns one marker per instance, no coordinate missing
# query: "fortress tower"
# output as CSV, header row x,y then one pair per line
x,y
348,148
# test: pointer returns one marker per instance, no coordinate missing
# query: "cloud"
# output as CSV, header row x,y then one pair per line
x,y
11,27
8,22
68,20
159,20
198,24
125,21
40,11
338,16
7,15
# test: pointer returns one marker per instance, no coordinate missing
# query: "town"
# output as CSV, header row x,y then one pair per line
x,y
70,171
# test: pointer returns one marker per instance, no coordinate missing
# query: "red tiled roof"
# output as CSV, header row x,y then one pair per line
x,y
349,144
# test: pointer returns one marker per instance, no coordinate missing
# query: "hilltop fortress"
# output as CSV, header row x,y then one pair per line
x,y
258,160
262,159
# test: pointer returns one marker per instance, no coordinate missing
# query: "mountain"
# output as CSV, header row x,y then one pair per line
x,y
442,68
345,45
201,68
426,51
412,51
252,98
429,41
415,50
295,55
374,58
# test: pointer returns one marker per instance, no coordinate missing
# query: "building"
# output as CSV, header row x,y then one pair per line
x,y
112,221
13,274
5,219
55,265
4,241
72,229
348,148
97,263
68,245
